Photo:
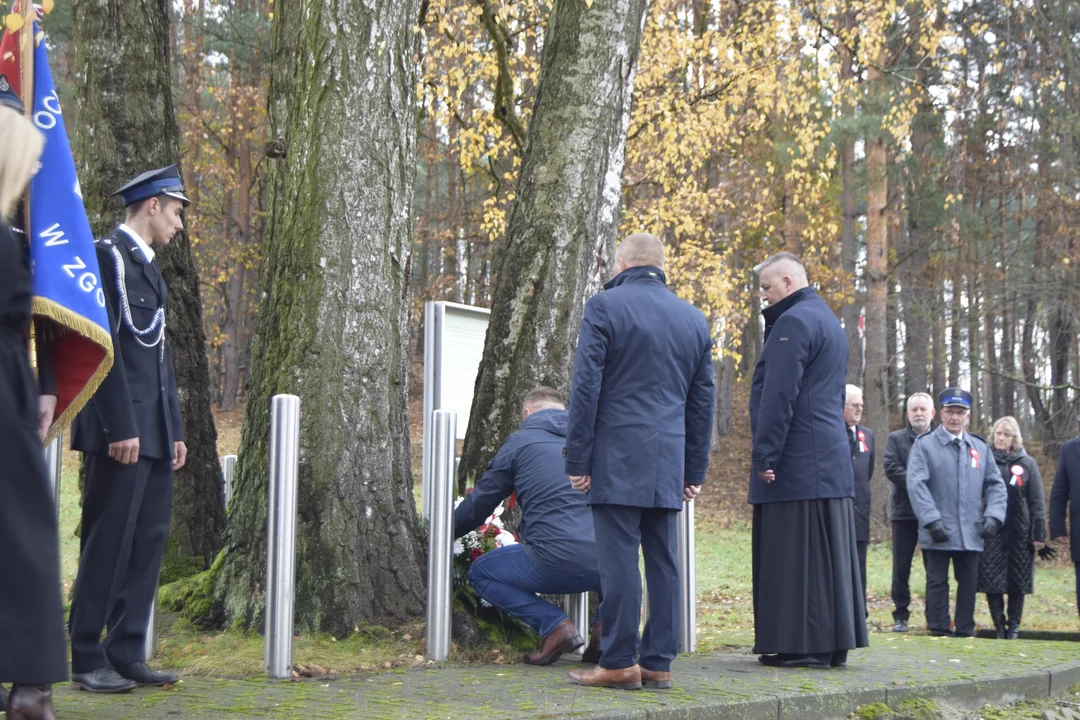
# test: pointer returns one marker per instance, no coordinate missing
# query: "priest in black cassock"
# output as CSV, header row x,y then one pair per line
x,y
808,595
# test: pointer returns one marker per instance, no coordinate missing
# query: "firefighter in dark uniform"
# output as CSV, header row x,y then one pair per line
x,y
132,439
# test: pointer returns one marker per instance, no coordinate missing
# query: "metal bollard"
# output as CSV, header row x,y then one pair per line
x,y
577,609
54,454
687,580
150,647
228,470
441,534
281,535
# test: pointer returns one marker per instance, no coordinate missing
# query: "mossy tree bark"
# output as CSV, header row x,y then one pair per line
x,y
333,327
562,226
127,125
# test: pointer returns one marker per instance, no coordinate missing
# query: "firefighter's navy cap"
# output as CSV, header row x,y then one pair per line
x,y
163,181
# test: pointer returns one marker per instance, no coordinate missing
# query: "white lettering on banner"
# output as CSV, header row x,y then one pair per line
x,y
46,119
88,281
52,103
53,236
77,265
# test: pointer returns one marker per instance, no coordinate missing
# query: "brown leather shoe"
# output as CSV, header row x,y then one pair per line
x,y
656,679
592,653
622,679
563,639
30,702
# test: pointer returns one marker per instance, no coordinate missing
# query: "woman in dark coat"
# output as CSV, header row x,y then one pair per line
x,y
33,652
1007,564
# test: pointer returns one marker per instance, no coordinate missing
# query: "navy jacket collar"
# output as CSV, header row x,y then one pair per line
x,y
551,419
641,273
774,311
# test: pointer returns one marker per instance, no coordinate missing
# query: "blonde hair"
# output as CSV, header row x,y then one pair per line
x,y
20,147
1009,425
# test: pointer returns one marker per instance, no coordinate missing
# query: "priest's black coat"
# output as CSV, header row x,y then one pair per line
x,y
32,645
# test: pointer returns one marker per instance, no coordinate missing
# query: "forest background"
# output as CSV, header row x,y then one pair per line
x,y
919,156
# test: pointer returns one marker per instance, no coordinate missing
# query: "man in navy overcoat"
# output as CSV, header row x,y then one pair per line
x,y
1065,500
808,595
638,442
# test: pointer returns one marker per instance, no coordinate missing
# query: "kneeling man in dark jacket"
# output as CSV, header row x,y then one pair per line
x,y
557,554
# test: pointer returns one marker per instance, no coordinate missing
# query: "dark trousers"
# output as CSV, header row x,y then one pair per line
x,y
620,531
905,536
966,572
1076,568
125,522
860,547
508,579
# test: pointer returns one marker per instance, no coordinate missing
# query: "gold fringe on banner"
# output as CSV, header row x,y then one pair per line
x,y
43,307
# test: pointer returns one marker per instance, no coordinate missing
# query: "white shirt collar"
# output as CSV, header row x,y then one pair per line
x,y
957,437
147,251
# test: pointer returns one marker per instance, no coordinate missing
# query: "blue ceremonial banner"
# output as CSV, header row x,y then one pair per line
x,y
67,282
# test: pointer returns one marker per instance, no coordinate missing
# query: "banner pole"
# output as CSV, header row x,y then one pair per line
x,y
26,90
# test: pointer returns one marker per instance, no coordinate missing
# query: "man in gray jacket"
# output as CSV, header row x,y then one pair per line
x,y
959,498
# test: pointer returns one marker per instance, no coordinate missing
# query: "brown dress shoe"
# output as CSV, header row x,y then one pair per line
x,y
30,702
563,639
622,679
656,679
592,653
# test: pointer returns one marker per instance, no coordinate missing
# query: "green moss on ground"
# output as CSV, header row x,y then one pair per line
x,y
873,711
918,709
193,597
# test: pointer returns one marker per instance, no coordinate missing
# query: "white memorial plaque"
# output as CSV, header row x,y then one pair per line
x,y
453,348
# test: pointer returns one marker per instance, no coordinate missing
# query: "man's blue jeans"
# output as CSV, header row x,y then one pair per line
x,y
509,580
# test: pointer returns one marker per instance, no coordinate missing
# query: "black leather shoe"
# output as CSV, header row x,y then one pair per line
x,y
592,651
1013,635
141,673
821,661
900,626
942,633
30,702
102,680
839,658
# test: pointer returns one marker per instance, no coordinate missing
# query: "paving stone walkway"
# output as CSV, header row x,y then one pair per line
x,y
729,685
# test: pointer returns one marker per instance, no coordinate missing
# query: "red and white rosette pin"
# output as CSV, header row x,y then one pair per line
x,y
1017,476
974,458
862,442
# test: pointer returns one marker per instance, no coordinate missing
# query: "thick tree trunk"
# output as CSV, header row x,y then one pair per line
x,y
941,351
724,370
127,125
877,255
333,328
562,226
923,216
849,244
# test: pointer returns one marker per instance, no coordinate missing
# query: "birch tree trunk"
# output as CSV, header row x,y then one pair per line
x,y
333,327
126,126
562,226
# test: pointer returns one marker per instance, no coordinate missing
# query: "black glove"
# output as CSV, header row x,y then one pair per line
x,y
937,531
1046,552
990,527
